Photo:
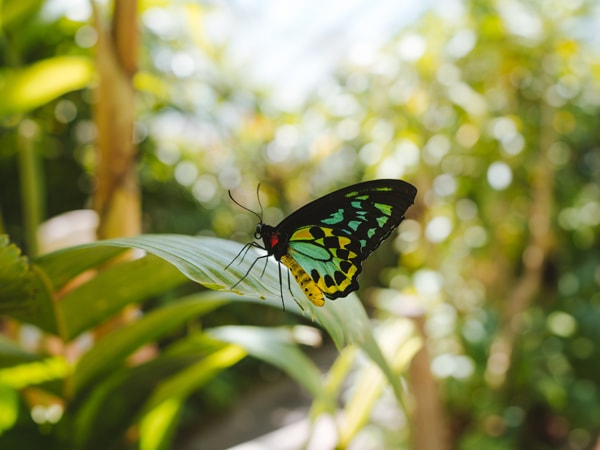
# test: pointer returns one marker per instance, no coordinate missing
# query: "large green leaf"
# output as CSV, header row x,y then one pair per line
x,y
274,345
277,347
112,289
22,90
128,393
112,349
101,417
65,264
203,259
161,412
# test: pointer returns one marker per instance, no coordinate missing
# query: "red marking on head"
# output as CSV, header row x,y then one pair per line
x,y
274,240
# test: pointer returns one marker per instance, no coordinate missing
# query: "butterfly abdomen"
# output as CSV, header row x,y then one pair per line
x,y
310,289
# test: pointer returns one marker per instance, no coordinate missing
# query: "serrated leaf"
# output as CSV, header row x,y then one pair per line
x,y
16,291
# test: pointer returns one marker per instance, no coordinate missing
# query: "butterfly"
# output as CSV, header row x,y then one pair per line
x,y
325,242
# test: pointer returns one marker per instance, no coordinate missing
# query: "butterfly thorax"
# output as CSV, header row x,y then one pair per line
x,y
275,243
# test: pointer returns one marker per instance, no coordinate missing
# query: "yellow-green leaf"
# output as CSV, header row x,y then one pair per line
x,y
22,90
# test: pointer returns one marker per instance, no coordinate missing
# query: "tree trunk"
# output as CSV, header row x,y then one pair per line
x,y
116,198
428,425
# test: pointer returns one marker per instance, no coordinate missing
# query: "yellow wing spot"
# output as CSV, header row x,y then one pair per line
x,y
339,282
310,289
303,233
344,241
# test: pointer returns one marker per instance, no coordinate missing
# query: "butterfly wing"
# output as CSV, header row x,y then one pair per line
x,y
331,236
330,257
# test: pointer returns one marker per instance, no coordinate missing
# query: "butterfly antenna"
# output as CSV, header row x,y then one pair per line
x,y
259,203
247,209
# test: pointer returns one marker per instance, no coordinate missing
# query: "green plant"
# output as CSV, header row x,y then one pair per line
x,y
96,400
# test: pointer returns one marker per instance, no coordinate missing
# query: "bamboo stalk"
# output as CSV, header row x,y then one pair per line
x,y
30,175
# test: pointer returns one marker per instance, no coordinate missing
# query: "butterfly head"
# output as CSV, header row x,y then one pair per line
x,y
272,240
258,233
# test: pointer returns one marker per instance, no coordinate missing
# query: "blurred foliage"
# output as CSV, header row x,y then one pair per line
x,y
489,108
69,398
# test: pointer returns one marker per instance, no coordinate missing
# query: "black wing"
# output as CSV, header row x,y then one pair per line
x,y
368,212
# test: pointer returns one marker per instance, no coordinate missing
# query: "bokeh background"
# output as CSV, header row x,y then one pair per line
x,y
490,108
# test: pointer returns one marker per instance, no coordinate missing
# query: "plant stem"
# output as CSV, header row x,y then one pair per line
x,y
31,177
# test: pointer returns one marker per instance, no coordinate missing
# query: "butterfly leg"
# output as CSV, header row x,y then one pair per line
x,y
264,268
289,286
280,285
244,250
248,271
291,293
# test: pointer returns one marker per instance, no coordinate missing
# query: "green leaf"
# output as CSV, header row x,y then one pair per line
x,y
65,264
112,349
25,89
101,417
195,376
400,346
16,290
158,426
112,289
277,347
128,391
9,413
50,273
13,355
334,381
24,294
203,259
12,12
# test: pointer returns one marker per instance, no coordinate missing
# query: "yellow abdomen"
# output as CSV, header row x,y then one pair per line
x,y
310,289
